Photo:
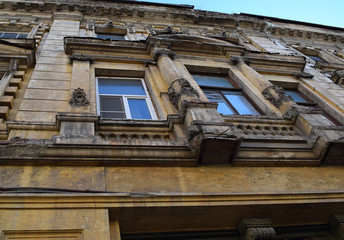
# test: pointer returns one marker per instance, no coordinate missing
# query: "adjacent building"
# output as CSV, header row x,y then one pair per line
x,y
138,120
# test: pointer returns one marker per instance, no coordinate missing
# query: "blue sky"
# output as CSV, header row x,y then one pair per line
x,y
325,12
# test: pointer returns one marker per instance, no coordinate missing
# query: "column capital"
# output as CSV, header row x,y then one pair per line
x,y
163,52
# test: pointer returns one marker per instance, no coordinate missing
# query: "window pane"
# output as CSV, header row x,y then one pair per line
x,y
212,81
241,104
112,115
10,35
112,36
139,109
222,107
296,96
316,58
22,35
121,86
111,104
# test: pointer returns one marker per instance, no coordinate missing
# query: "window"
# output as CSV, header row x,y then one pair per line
x,y
301,99
110,36
12,35
316,58
231,100
298,97
123,98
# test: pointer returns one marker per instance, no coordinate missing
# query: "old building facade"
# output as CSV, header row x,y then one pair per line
x,y
137,120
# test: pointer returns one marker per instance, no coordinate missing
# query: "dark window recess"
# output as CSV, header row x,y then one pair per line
x,y
231,99
12,35
204,235
110,36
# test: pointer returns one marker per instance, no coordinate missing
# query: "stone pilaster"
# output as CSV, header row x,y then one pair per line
x,y
80,87
271,92
180,89
208,135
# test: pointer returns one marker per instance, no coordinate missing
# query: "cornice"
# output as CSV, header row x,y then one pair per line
x,y
99,45
153,199
178,15
274,61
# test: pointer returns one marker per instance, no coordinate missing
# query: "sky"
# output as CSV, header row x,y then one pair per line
x,y
324,12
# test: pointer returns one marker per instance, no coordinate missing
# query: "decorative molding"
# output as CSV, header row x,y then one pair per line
x,y
76,234
135,136
338,77
266,130
275,95
79,98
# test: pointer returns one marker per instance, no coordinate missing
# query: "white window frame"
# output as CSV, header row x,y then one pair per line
x,y
126,97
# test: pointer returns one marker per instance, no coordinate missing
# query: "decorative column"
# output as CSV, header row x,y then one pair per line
x,y
271,92
213,140
180,89
256,229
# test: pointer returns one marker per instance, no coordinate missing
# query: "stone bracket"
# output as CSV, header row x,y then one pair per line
x,y
214,143
256,229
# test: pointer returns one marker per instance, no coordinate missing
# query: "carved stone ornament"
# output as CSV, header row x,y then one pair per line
x,y
303,75
338,77
79,98
278,98
184,87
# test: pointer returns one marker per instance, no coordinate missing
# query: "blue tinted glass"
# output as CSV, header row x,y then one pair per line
x,y
212,81
316,58
112,37
22,35
222,107
241,104
121,86
139,109
296,96
10,35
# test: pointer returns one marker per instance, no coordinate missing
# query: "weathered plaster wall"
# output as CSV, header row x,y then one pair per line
x,y
210,179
